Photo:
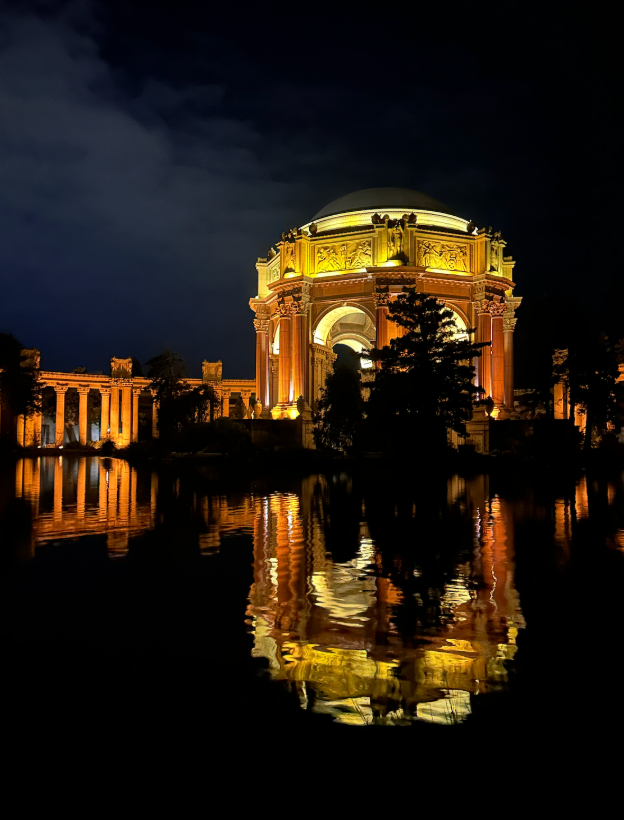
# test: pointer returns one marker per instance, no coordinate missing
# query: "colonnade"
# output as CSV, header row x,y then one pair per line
x,y
119,413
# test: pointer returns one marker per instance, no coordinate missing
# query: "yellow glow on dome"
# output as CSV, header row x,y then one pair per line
x,y
358,218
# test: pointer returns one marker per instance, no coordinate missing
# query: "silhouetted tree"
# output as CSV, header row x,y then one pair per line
x,y
168,373
341,409
424,384
590,368
20,388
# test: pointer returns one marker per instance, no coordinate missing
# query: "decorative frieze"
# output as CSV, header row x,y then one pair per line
x,y
451,256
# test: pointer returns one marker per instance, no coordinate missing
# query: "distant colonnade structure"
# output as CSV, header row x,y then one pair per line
x,y
120,395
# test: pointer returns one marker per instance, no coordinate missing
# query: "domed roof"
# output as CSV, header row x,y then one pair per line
x,y
380,199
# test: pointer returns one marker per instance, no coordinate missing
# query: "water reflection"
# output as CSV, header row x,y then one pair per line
x,y
373,607
332,629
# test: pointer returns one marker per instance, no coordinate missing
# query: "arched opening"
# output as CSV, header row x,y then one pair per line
x,y
346,328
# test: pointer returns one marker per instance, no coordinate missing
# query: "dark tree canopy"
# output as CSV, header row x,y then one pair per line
x,y
341,409
590,368
424,384
20,388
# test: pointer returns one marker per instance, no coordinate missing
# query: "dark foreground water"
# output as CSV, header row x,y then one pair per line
x,y
164,602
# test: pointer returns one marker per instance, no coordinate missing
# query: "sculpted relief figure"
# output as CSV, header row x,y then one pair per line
x,y
344,257
395,241
360,254
443,255
289,256
330,257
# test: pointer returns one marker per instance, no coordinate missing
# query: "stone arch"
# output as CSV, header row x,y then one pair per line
x,y
332,315
463,325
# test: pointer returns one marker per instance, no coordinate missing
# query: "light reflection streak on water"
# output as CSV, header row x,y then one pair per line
x,y
330,627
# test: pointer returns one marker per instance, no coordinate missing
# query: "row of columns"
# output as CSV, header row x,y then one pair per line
x,y
495,372
294,356
29,427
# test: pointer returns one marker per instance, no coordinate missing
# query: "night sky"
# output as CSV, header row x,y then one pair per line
x,y
149,153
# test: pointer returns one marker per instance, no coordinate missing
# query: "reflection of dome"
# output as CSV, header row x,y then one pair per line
x,y
380,199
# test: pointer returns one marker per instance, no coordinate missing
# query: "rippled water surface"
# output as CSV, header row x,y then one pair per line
x,y
372,602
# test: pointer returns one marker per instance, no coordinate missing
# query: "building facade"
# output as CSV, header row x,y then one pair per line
x,y
332,280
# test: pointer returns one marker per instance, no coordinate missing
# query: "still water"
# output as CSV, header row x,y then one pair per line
x,y
369,602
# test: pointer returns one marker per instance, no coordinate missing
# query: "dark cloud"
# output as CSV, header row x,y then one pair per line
x,y
149,153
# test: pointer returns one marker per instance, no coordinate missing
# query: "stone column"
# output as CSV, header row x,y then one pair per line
x,y
273,380
136,392
246,395
83,396
284,355
21,430
126,414
105,393
509,324
301,352
484,334
154,416
262,360
32,429
225,396
382,300
498,355
114,412
60,390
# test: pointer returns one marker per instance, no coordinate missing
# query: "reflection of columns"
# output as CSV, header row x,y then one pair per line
x,y
102,493
105,393
136,392
81,498
83,396
508,344
126,414
225,396
262,360
300,352
60,414
284,355
114,412
154,416
58,488
498,355
484,334
153,497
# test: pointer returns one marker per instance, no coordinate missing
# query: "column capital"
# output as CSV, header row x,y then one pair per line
x,y
83,389
381,298
261,324
509,324
285,309
497,309
105,391
61,388
136,391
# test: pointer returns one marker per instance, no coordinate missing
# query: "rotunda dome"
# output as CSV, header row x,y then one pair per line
x,y
383,199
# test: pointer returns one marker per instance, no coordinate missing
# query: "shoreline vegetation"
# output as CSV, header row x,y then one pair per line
x,y
247,459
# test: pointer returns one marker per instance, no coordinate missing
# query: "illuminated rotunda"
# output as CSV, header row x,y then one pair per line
x,y
331,281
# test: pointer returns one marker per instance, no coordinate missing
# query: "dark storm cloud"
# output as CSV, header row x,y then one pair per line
x,y
118,226
149,153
